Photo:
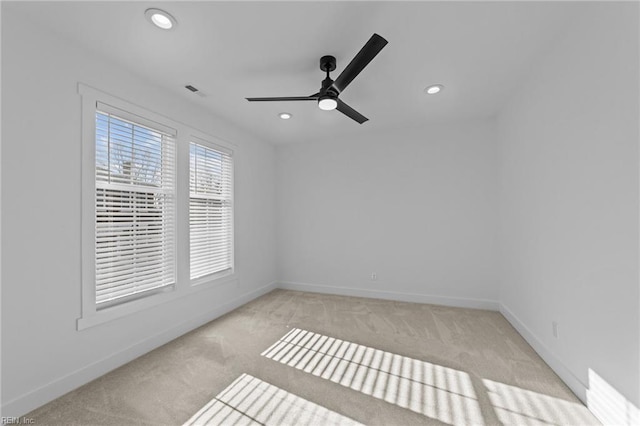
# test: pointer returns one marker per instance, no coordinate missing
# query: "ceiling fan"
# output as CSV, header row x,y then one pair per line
x,y
328,96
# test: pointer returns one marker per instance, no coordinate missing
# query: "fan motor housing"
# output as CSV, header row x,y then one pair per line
x,y
328,63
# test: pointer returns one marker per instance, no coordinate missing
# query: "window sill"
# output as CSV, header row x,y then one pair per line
x,y
135,306
213,280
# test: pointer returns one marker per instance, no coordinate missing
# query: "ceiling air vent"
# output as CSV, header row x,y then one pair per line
x,y
190,87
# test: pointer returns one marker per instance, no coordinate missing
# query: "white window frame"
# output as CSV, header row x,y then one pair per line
x,y
220,146
90,315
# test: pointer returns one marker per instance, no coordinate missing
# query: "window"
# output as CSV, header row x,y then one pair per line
x,y
157,209
134,207
210,210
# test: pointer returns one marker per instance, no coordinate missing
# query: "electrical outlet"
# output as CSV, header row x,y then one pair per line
x,y
555,328
374,276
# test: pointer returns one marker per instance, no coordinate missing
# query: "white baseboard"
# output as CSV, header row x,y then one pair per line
x,y
31,400
38,397
575,384
459,302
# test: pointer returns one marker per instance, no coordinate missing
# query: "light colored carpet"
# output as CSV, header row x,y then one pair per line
x,y
251,401
432,390
387,363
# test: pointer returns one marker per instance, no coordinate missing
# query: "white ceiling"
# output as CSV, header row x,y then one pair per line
x,y
231,50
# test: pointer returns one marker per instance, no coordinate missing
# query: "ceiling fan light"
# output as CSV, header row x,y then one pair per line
x,y
327,103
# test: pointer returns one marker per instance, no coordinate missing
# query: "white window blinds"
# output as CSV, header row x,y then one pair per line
x,y
210,210
135,188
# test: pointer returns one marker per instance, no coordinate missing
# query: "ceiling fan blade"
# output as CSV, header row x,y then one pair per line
x,y
284,98
361,60
350,112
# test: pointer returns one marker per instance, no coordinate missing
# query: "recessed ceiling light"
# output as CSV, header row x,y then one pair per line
x,y
160,18
284,115
433,89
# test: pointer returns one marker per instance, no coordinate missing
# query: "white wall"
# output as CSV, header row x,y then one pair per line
x,y
570,212
416,206
43,355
